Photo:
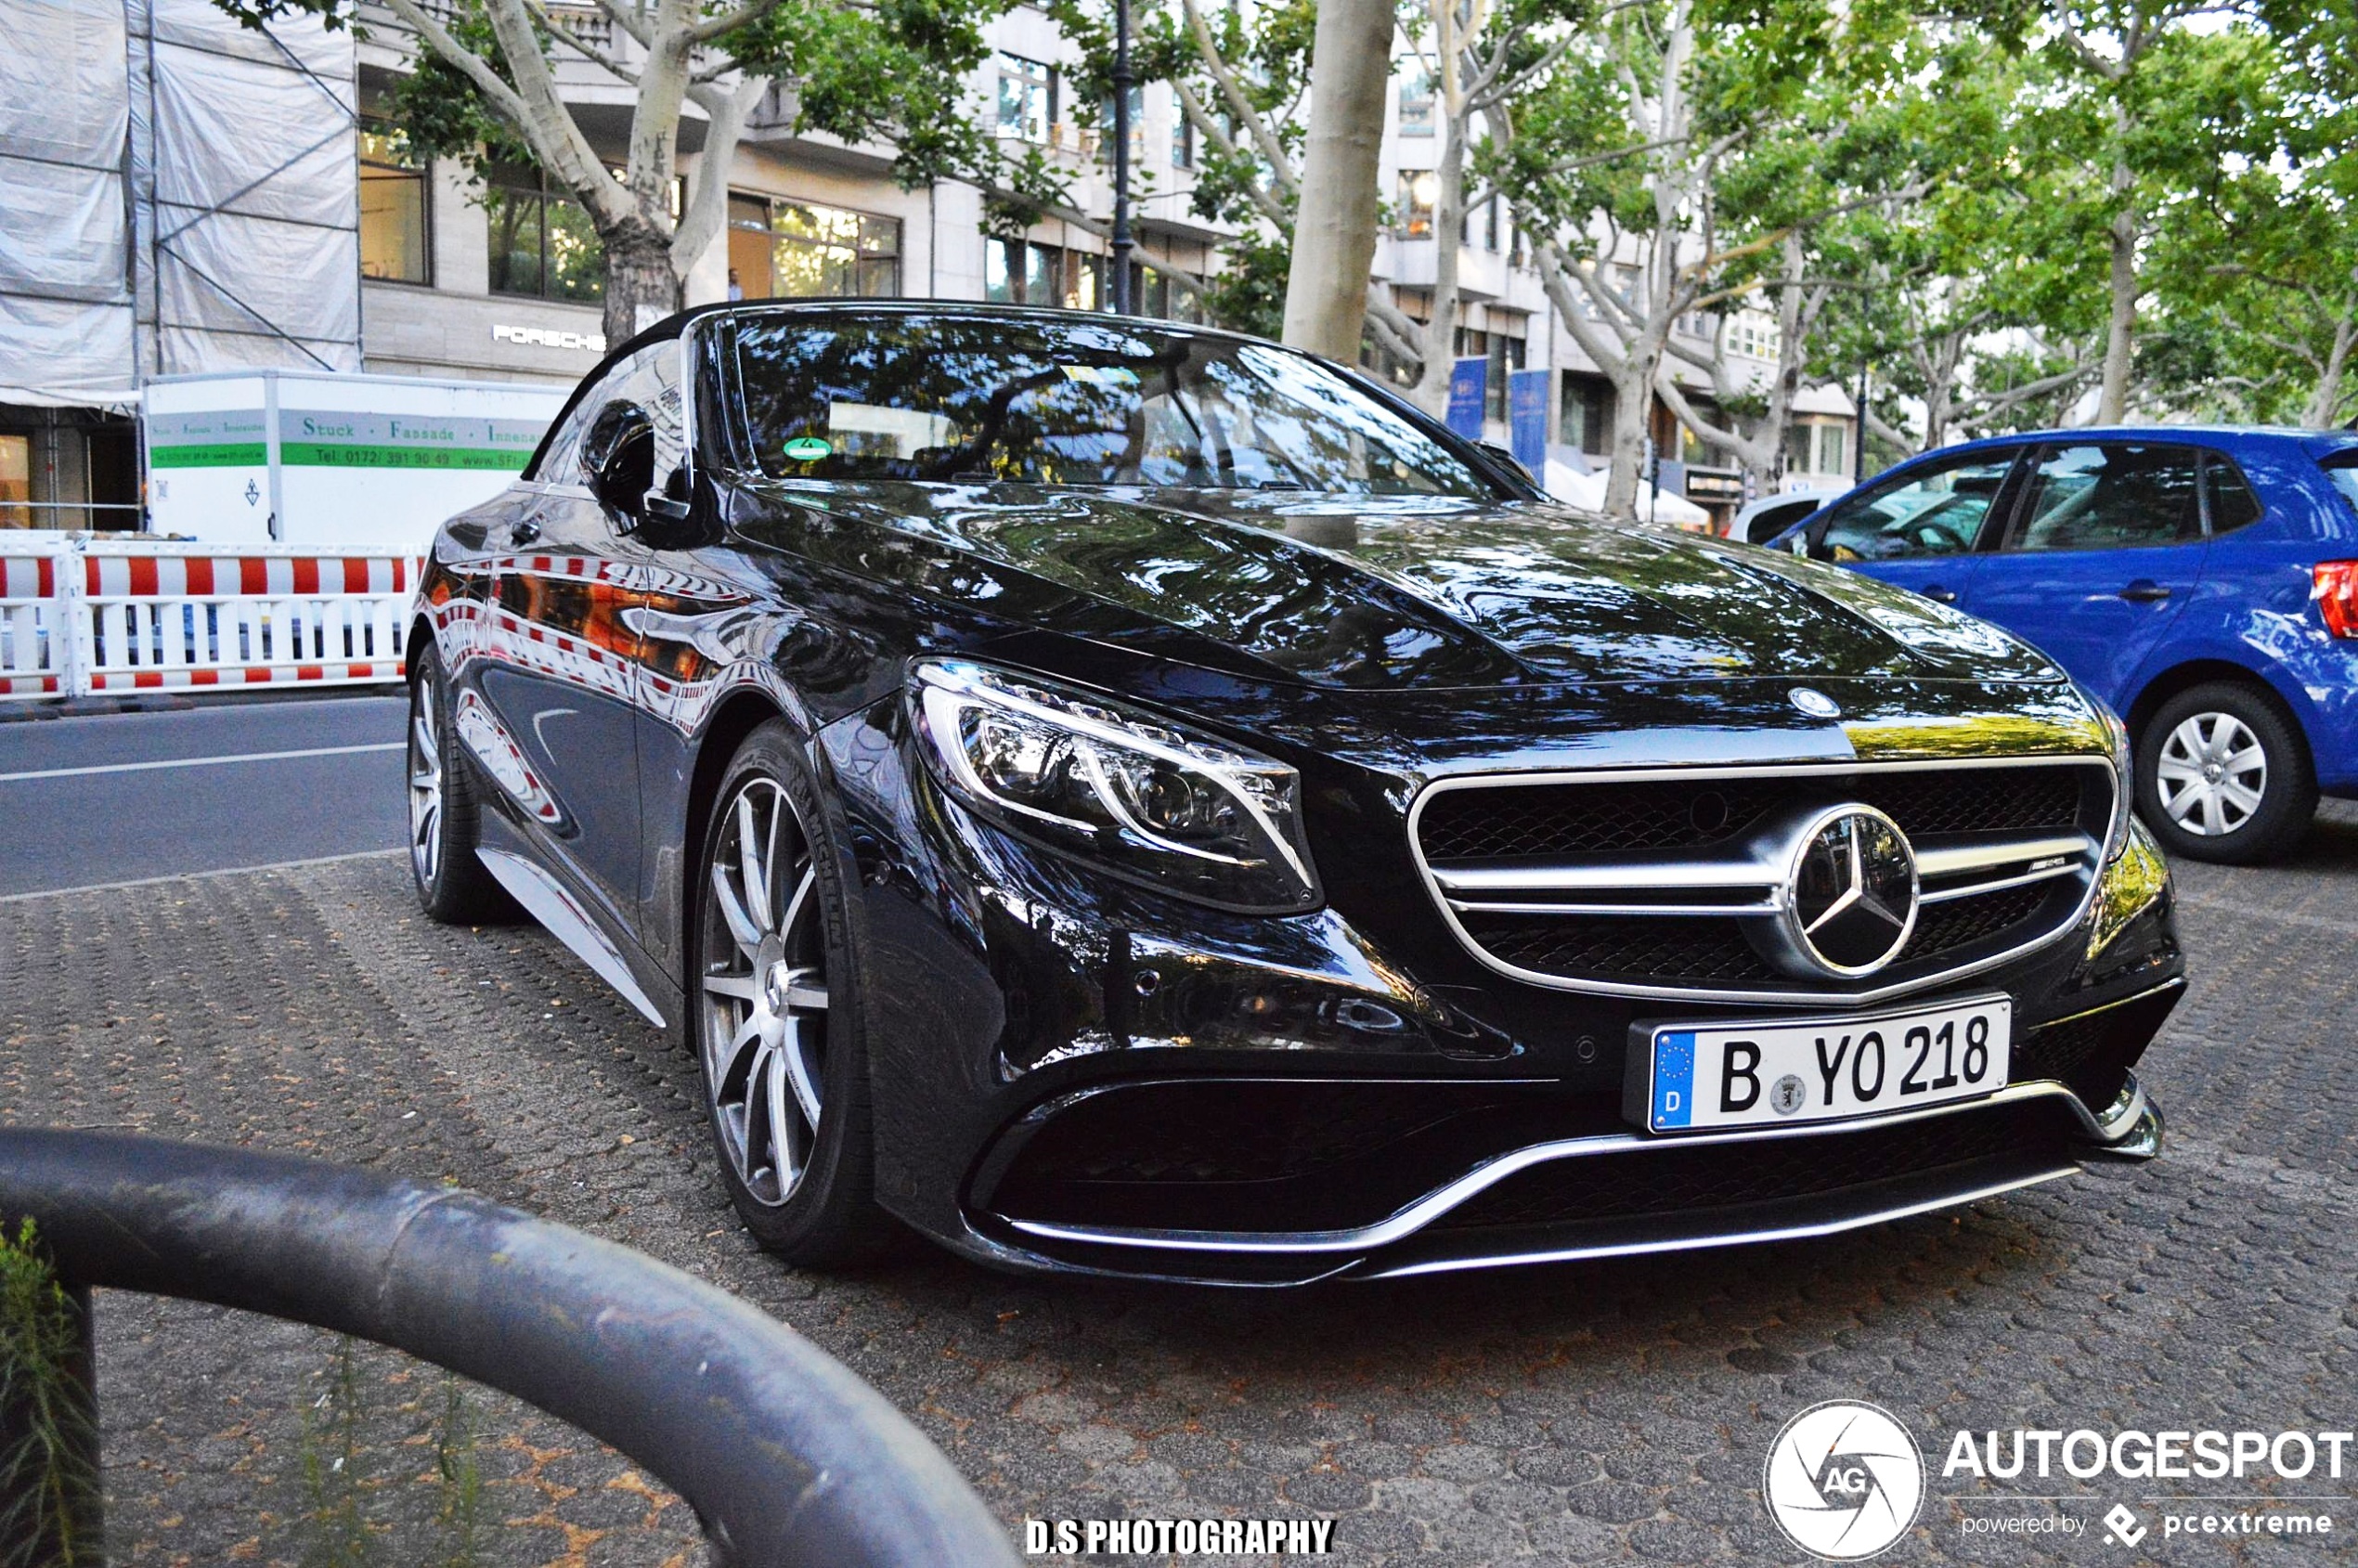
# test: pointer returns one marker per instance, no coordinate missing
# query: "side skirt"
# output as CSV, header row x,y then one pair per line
x,y
546,901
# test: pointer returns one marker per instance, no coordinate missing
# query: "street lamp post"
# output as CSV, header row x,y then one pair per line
x,y
1859,447
1122,302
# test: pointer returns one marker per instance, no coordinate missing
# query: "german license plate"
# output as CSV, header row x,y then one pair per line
x,y
1706,1076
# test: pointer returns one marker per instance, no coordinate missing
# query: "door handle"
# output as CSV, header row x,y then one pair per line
x,y
2144,590
525,531
1941,595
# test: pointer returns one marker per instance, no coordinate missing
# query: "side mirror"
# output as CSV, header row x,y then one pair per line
x,y
619,459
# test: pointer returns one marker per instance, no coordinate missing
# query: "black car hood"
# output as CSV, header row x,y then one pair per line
x,y
1387,593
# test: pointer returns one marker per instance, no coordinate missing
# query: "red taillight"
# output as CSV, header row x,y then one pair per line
x,y
2337,595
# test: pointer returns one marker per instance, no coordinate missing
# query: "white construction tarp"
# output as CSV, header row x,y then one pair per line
x,y
248,185
178,194
65,280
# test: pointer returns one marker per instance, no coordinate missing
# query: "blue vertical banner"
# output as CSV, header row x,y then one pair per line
x,y
1527,419
1469,379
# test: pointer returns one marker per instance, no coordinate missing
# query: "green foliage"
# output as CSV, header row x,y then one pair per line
x,y
891,71
334,1462
894,73
437,111
458,1477
47,1471
1269,49
1249,295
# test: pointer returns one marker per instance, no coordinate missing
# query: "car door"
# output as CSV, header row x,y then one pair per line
x,y
2103,551
1920,527
558,691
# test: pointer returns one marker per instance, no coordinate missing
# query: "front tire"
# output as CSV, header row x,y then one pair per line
x,y
453,886
2224,775
771,1016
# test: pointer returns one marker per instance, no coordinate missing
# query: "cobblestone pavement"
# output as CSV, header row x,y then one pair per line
x,y
1570,1414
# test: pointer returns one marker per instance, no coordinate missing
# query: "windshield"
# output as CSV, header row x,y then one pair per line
x,y
1078,403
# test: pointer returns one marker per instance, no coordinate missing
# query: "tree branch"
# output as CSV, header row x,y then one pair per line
x,y
729,21
1272,150
468,63
1207,126
707,206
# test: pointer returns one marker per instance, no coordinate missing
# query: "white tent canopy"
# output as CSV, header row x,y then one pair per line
x,y
1577,487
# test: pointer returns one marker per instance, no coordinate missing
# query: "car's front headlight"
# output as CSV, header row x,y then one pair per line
x,y
1134,793
2124,766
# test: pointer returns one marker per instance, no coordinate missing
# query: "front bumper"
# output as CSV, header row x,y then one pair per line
x,y
1096,1079
1599,1195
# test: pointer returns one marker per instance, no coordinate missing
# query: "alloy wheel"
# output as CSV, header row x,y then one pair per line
x,y
2213,774
763,1009
425,783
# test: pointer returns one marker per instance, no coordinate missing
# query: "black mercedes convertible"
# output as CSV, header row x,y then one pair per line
x,y
1127,798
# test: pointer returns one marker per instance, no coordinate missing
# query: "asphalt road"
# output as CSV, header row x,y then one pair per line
x,y
1609,1412
121,798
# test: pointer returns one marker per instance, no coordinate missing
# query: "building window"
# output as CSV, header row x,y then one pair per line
x,y
16,481
800,250
394,246
1506,354
1156,294
1027,99
1754,336
1490,226
1017,273
1419,189
1182,137
1415,101
1692,449
1588,414
1815,447
1137,126
542,244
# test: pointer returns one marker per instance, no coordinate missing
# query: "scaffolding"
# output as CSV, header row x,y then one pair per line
x,y
178,195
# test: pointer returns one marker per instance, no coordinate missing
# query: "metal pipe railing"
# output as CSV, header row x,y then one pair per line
x,y
785,1456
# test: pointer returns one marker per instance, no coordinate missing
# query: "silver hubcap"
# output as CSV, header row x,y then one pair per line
x,y
764,1008
425,783
2213,774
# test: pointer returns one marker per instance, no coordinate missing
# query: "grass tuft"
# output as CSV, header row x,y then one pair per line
x,y
48,1444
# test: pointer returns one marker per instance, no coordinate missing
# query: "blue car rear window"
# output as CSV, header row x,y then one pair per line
x,y
2342,469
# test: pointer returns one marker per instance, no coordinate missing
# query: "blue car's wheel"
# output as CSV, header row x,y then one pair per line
x,y
2223,775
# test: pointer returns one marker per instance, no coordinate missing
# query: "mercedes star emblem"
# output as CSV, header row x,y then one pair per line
x,y
1814,703
1850,895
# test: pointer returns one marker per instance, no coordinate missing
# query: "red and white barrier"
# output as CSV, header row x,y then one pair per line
x,y
149,615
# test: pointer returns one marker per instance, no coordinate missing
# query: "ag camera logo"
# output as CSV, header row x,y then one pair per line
x,y
1843,1480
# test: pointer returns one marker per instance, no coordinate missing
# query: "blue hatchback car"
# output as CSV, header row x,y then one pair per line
x,y
2204,581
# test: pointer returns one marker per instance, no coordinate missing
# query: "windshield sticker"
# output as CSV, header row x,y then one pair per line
x,y
1101,375
808,448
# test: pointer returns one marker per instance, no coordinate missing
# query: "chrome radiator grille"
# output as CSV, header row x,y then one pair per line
x,y
1664,882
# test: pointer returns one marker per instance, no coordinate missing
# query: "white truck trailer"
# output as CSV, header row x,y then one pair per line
x,y
323,461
